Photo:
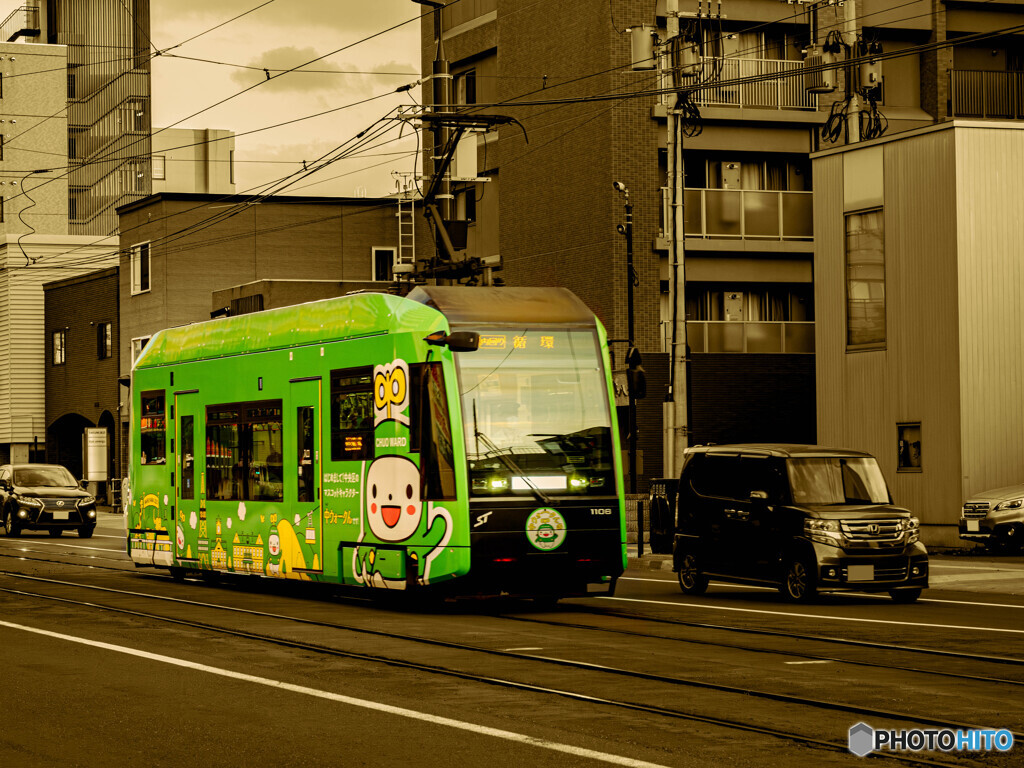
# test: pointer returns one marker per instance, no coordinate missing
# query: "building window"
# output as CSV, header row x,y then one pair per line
x,y
1,147
159,167
383,264
2,210
465,205
865,280
140,268
231,166
465,87
60,339
908,447
138,345
104,340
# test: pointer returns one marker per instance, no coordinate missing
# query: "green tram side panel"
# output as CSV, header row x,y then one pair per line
x,y
283,538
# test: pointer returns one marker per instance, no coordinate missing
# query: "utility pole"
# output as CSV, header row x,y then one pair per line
x,y
631,353
678,398
853,110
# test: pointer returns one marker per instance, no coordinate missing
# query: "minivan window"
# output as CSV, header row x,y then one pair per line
x,y
836,480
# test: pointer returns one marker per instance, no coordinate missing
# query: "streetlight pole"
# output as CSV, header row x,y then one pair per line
x,y
631,280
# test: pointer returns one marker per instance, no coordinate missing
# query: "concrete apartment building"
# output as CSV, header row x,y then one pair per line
x,y
197,161
35,244
106,90
744,262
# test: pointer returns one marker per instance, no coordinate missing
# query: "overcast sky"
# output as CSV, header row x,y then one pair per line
x,y
281,35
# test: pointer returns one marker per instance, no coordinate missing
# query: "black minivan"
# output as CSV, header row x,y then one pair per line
x,y
801,517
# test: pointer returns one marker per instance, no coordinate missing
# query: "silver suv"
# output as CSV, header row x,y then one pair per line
x,y
995,518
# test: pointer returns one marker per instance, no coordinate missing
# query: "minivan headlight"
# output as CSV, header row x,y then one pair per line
x,y
1010,504
824,532
912,527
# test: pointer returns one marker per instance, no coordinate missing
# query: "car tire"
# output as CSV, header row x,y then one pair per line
x,y
85,532
11,526
692,580
904,596
799,582
54,532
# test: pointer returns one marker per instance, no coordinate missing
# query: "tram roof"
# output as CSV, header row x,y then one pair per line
x,y
462,305
363,314
298,325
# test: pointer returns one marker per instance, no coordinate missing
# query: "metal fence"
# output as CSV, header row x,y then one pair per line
x,y
979,93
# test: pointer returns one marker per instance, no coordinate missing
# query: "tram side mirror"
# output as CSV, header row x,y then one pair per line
x,y
459,341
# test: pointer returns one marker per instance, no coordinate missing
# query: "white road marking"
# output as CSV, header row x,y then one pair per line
x,y
58,544
821,661
817,616
523,649
352,702
976,567
839,594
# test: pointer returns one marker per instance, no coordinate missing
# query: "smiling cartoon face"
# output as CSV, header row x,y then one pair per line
x,y
393,504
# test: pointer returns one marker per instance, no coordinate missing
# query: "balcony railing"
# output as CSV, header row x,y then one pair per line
x,y
776,91
745,214
731,336
21,21
978,93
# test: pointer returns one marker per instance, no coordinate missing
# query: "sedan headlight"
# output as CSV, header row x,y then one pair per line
x,y
824,532
1011,504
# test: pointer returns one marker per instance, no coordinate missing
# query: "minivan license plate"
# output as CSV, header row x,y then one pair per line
x,y
972,525
860,573
60,515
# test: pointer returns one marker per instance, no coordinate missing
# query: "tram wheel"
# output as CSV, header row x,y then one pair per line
x,y
177,573
691,579
799,584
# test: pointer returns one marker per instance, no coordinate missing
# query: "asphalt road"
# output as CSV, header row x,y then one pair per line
x,y
106,665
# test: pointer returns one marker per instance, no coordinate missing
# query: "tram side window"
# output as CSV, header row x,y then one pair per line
x,y
244,453
153,428
431,432
352,414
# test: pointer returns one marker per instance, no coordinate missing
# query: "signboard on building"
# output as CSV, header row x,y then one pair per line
x,y
96,453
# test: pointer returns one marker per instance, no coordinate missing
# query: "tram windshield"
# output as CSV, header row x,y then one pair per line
x,y
536,414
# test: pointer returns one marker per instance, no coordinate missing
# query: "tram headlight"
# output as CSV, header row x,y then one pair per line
x,y
578,483
490,484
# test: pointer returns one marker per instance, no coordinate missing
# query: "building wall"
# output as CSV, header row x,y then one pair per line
x,y
196,161
233,241
33,126
990,272
24,351
85,385
863,395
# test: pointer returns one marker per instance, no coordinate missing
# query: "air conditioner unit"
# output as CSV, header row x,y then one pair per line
x,y
819,77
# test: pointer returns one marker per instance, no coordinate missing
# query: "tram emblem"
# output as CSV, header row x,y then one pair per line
x,y
545,528
391,392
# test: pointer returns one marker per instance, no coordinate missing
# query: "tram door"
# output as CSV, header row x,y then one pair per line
x,y
307,443
189,495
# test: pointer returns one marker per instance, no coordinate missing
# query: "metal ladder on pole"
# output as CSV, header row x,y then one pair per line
x,y
406,258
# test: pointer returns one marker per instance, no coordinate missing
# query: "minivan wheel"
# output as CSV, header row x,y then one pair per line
x,y
691,580
799,584
904,595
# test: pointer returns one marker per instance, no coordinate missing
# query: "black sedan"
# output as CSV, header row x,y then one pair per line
x,y
44,497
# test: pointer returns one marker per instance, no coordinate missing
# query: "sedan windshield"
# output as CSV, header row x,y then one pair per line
x,y
536,413
44,477
837,480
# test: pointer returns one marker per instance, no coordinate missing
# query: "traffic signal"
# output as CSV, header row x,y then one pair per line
x,y
636,378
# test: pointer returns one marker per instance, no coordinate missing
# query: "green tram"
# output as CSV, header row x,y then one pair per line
x,y
457,440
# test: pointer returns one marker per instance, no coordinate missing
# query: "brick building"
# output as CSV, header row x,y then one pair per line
x,y
82,329
722,206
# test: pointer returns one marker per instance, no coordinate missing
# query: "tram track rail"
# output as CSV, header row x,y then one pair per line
x,y
861,711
